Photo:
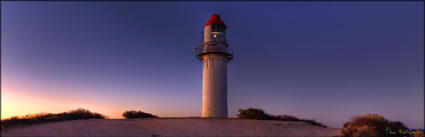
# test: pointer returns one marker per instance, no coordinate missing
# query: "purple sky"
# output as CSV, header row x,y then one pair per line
x,y
326,61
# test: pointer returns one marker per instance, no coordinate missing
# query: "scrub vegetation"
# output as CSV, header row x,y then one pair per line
x,y
374,125
259,114
137,114
49,117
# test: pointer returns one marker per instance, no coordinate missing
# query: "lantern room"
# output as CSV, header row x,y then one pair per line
x,y
214,30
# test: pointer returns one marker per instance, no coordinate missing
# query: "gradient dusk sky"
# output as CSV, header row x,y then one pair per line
x,y
326,61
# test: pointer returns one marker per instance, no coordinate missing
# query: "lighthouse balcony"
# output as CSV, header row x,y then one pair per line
x,y
203,50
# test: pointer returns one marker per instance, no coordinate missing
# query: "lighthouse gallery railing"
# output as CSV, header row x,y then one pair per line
x,y
201,50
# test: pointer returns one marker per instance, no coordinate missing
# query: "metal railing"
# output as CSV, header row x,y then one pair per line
x,y
201,50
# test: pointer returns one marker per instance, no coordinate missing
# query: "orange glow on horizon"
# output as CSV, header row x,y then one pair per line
x,y
20,104
15,103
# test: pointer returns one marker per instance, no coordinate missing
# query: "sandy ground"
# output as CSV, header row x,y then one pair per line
x,y
171,127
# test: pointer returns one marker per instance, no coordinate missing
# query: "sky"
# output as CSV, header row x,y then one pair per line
x,y
327,61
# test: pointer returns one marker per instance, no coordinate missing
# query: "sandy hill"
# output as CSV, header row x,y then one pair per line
x,y
172,127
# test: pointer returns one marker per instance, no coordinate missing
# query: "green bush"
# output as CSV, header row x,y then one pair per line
x,y
49,117
372,125
253,113
287,118
259,114
137,114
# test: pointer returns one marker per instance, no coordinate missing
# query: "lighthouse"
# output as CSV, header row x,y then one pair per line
x,y
214,53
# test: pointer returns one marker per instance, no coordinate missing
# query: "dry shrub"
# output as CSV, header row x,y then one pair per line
x,y
372,125
419,133
259,114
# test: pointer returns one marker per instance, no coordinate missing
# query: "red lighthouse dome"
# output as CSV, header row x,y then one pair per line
x,y
215,19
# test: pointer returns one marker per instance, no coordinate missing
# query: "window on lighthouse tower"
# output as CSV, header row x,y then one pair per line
x,y
218,33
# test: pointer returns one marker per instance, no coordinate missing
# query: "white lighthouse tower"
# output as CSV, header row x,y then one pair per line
x,y
214,55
